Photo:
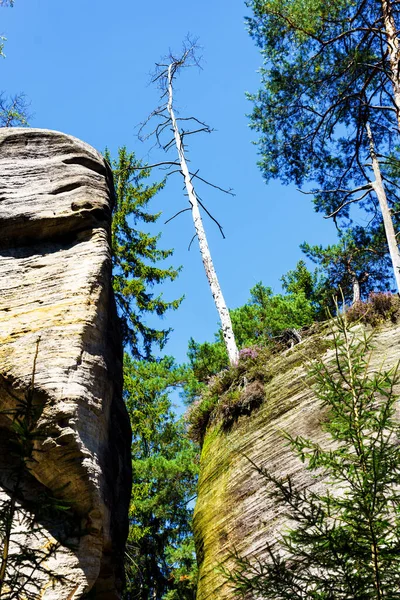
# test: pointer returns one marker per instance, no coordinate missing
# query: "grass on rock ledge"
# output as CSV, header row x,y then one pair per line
x,y
240,389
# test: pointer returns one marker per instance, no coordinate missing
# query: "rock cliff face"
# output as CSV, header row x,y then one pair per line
x,y
232,511
56,300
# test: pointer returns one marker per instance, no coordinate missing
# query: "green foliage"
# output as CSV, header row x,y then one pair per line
x,y
266,315
315,286
324,77
379,308
343,543
301,19
13,111
160,554
220,391
199,416
135,254
160,557
359,258
207,359
300,280
236,390
257,323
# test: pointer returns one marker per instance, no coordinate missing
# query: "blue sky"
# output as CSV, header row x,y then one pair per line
x,y
85,66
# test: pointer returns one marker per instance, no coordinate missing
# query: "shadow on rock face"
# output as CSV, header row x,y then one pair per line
x,y
55,285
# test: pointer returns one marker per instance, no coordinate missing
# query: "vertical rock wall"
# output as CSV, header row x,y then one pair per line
x,y
56,197
232,511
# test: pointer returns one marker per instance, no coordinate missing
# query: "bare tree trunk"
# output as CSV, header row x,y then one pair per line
x,y
394,52
7,540
379,188
226,323
356,290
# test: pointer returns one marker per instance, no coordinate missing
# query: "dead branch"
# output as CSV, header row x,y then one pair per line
x,y
191,241
176,214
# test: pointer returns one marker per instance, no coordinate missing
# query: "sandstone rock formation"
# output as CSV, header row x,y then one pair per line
x,y
56,197
232,510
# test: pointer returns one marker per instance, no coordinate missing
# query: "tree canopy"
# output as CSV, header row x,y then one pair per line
x,y
329,104
326,72
160,556
261,319
354,267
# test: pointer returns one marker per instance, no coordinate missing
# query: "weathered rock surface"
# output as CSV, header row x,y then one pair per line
x,y
56,197
232,510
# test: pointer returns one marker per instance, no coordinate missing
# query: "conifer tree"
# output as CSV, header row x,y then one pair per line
x,y
136,256
314,285
160,552
160,559
328,109
258,322
357,265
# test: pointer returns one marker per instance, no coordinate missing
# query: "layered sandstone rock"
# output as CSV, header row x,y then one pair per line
x,y
56,196
233,511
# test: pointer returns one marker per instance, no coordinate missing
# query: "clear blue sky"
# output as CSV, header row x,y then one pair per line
x,y
85,65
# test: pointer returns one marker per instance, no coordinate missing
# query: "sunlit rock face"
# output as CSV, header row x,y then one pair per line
x,y
56,301
233,511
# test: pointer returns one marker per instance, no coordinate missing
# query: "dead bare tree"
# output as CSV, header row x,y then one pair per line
x,y
168,122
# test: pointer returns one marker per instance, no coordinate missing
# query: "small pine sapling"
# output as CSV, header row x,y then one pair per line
x,y
343,544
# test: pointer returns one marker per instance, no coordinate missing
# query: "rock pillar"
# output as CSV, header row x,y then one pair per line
x,y
56,303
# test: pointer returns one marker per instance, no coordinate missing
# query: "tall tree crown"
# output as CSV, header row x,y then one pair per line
x,y
135,254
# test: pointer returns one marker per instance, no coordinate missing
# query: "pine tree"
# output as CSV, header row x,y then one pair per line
x,y
356,266
258,322
328,109
314,285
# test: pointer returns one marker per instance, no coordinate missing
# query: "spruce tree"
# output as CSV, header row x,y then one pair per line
x,y
160,551
160,559
136,256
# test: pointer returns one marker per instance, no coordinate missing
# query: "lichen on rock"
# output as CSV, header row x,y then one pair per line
x,y
233,512
55,212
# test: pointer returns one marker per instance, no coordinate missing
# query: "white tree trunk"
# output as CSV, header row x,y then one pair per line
x,y
356,291
226,323
379,188
394,52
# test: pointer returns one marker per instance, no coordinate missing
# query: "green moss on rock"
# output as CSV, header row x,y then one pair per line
x,y
232,510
